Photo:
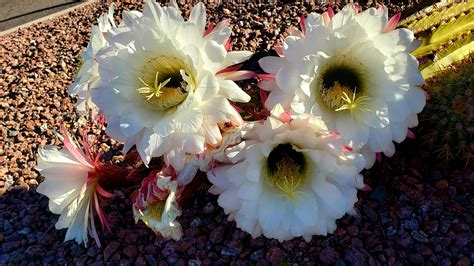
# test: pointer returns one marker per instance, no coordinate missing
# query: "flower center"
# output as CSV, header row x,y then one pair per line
x,y
155,210
163,82
286,170
342,86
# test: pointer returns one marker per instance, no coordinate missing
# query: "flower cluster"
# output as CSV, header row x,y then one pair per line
x,y
340,91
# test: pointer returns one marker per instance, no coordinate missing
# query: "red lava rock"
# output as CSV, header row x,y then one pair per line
x,y
182,246
442,184
275,255
353,230
217,235
130,251
111,249
328,255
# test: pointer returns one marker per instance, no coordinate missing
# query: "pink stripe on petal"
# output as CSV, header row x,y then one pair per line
x,y
347,149
410,134
279,50
93,228
76,152
209,29
357,7
225,22
103,193
100,120
330,12
263,96
102,218
378,156
392,23
238,75
285,117
302,25
227,45
230,69
326,18
266,76
97,157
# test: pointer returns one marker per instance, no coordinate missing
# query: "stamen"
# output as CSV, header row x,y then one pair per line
x,y
286,173
169,80
153,211
287,178
356,105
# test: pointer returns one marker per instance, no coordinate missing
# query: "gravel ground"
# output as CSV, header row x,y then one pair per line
x,y
419,211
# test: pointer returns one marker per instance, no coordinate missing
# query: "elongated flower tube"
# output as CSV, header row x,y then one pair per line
x,y
291,178
165,84
72,185
355,71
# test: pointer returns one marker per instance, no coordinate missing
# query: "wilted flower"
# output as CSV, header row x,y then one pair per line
x,y
355,71
72,185
165,84
155,204
292,178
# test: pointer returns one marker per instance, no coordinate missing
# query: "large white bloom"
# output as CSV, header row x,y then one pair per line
x,y
71,184
355,71
165,83
89,72
291,179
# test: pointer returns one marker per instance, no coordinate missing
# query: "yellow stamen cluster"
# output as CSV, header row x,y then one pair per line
x,y
337,98
287,178
162,84
153,211
155,90
356,105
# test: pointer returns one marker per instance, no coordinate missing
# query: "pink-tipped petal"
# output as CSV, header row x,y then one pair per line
x,y
266,76
228,45
229,69
279,50
93,228
302,25
209,29
285,117
410,134
224,23
76,152
238,75
357,7
392,23
103,219
263,97
330,12
347,149
295,32
103,193
378,156
326,18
